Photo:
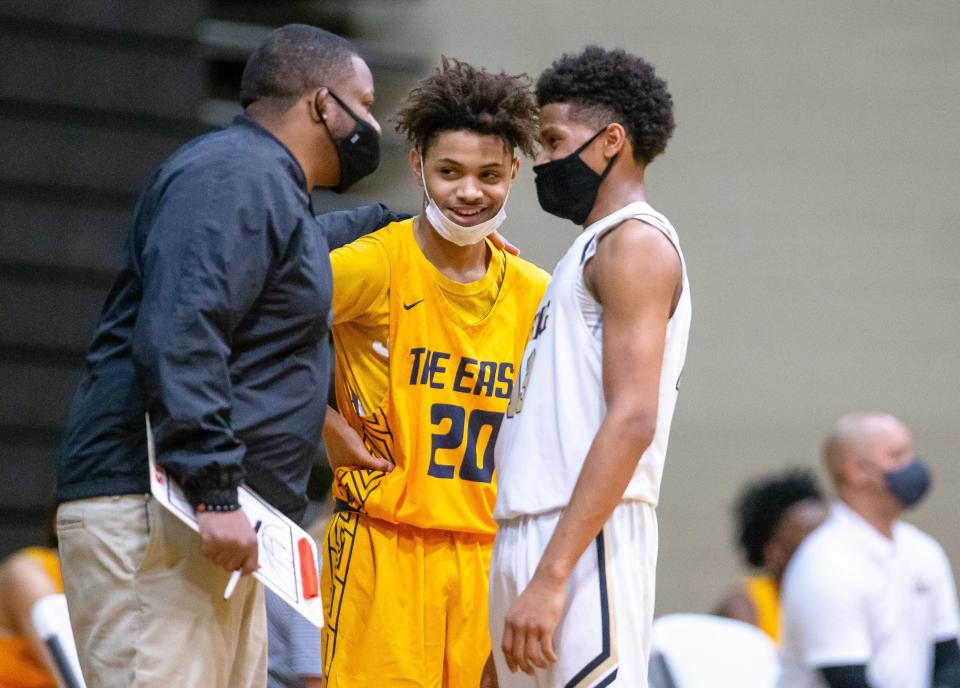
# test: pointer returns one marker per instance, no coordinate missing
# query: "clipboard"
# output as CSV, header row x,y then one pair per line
x,y
287,553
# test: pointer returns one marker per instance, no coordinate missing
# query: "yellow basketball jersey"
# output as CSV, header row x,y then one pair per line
x,y
765,595
19,668
48,559
445,377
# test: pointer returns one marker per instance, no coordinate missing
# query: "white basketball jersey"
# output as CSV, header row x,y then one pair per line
x,y
557,404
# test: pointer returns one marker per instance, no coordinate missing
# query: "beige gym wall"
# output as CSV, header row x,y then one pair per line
x,y
813,179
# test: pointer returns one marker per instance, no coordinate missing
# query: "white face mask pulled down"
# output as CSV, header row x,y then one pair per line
x,y
456,233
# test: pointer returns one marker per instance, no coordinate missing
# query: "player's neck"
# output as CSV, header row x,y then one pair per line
x,y
460,263
620,188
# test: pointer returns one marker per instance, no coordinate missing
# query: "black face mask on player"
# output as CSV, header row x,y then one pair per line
x,y
358,151
568,187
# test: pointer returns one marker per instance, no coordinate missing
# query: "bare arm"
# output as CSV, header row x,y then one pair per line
x,y
24,582
737,606
634,275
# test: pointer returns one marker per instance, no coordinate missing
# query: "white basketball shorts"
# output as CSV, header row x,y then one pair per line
x,y
604,635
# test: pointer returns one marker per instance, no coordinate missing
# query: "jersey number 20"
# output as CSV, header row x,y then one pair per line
x,y
478,419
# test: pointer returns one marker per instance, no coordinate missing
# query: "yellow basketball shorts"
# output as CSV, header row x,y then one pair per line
x,y
404,606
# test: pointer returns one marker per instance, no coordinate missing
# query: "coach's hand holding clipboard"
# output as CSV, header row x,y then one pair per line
x,y
257,539
228,540
235,576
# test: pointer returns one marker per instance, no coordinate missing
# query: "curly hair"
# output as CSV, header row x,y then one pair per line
x,y
604,86
459,97
763,503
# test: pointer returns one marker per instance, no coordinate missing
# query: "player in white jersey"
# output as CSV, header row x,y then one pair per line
x,y
581,450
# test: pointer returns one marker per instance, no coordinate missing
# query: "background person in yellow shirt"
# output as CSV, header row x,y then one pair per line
x,y
26,576
774,514
430,321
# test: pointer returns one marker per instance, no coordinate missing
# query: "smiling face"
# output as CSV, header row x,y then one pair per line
x,y
468,175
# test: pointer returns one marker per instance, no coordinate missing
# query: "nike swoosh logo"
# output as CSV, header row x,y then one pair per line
x,y
407,307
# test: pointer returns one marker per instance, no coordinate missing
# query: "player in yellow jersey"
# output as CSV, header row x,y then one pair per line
x,y
774,515
430,321
26,577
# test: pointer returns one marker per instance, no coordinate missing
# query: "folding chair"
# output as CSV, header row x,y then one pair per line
x,y
52,621
702,651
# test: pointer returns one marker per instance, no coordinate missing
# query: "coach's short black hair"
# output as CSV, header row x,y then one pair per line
x,y
605,86
762,504
459,96
292,60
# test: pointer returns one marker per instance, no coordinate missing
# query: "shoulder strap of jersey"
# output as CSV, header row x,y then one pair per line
x,y
634,211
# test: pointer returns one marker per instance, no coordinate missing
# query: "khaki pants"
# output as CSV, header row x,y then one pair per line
x,y
147,608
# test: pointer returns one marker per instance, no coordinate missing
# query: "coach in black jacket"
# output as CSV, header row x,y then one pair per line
x,y
214,326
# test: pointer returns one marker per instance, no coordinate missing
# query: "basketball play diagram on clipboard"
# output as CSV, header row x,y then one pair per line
x,y
287,555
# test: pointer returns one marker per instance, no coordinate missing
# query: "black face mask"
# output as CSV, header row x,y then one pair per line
x,y
568,187
358,151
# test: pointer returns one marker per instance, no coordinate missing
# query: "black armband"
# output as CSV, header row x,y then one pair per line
x,y
946,664
852,676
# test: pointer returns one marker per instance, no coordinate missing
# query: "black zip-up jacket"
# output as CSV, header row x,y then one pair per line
x,y
216,324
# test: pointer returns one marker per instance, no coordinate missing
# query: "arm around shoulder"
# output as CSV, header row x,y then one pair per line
x,y
340,227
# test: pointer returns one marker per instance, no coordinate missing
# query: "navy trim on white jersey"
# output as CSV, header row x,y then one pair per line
x,y
604,655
